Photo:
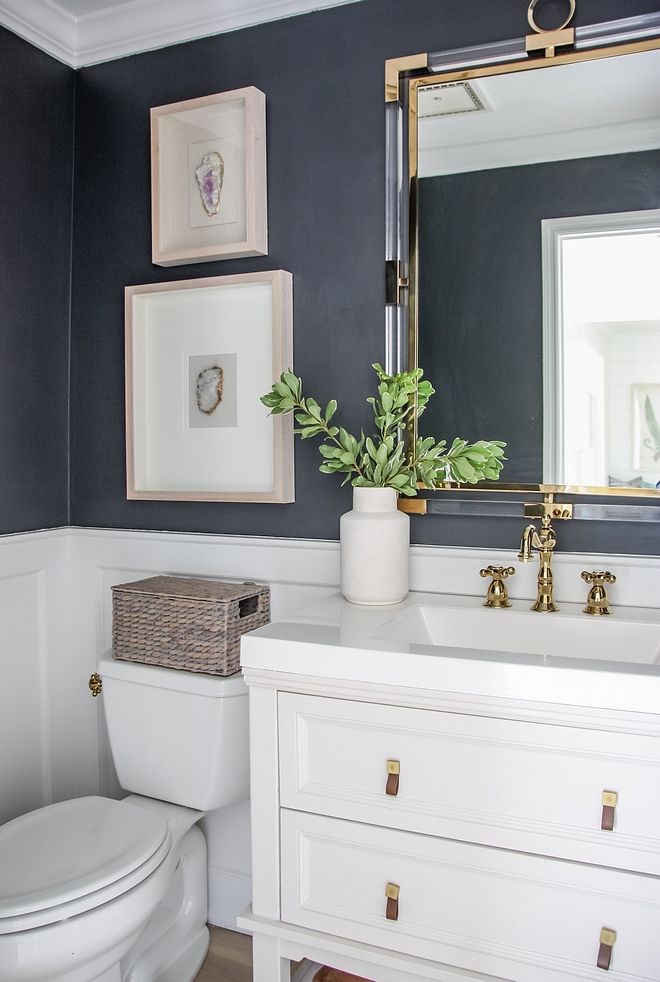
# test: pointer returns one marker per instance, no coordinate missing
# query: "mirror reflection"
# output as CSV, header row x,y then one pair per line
x,y
536,266
602,350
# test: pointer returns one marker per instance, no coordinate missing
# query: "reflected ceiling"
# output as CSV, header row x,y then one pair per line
x,y
498,122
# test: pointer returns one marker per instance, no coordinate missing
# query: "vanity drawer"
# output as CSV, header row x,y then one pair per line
x,y
528,786
520,917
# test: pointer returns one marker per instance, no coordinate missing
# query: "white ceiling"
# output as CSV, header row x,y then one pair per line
x,y
84,32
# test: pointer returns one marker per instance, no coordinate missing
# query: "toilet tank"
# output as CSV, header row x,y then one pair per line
x,y
177,736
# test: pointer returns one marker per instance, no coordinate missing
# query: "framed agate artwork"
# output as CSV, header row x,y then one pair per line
x,y
208,178
199,354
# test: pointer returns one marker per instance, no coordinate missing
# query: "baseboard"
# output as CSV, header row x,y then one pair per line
x,y
229,895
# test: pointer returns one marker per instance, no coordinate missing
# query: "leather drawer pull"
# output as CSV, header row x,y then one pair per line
x,y
393,771
392,909
607,939
609,805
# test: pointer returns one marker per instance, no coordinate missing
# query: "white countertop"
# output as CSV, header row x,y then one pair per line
x,y
453,644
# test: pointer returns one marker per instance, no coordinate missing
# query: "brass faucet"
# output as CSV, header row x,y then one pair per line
x,y
597,601
497,594
544,540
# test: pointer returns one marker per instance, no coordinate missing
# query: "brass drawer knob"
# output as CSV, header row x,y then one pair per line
x,y
609,800
393,768
392,909
607,939
95,684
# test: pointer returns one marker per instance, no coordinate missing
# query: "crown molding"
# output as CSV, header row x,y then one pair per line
x,y
141,25
43,25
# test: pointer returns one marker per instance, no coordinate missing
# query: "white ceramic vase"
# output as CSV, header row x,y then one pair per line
x,y
374,543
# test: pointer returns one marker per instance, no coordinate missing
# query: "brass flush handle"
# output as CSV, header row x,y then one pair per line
x,y
392,909
609,806
607,939
497,595
95,684
393,768
597,601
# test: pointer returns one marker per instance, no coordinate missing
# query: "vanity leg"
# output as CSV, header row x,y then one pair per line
x,y
267,963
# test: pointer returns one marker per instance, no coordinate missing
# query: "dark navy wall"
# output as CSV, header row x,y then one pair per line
x,y
323,77
36,161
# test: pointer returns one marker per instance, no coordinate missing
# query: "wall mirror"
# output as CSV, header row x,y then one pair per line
x,y
524,250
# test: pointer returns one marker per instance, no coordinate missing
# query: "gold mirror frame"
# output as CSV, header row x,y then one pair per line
x,y
403,79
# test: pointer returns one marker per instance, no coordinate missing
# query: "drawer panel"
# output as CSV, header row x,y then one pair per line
x,y
518,785
520,917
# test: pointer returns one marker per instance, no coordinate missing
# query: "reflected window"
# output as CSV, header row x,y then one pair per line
x,y
605,383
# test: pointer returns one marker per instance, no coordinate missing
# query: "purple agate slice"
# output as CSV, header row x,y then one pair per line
x,y
210,175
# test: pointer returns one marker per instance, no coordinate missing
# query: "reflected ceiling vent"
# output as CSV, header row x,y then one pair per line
x,y
449,99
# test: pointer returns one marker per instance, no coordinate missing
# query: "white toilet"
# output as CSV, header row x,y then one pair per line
x,y
98,890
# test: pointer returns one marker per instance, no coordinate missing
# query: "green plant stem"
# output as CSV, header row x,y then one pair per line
x,y
380,460
328,432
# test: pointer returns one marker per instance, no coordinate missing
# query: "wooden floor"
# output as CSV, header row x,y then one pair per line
x,y
229,958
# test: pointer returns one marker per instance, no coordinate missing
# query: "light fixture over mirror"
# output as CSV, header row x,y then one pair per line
x,y
523,244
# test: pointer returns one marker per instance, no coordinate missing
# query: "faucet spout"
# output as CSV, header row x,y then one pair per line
x,y
543,540
525,554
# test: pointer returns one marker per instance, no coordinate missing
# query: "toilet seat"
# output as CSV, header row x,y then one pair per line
x,y
72,856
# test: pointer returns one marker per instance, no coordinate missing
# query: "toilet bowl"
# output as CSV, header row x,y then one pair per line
x,y
99,890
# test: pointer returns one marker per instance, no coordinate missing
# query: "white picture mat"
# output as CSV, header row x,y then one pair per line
x,y
181,137
170,327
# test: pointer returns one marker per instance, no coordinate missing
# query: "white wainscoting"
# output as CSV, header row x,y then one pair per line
x,y
55,621
40,758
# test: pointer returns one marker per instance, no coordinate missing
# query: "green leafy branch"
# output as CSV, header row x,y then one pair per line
x,y
380,460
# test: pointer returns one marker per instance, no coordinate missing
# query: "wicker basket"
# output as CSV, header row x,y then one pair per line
x,y
185,623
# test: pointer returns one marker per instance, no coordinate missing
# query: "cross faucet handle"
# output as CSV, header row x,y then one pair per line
x,y
497,595
597,601
598,577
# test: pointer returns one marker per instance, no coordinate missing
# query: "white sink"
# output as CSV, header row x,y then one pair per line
x,y
629,637
434,641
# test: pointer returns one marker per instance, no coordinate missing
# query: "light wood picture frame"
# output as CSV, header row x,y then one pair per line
x,y
208,178
646,428
199,354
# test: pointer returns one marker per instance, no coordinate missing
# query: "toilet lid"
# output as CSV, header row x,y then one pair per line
x,y
68,850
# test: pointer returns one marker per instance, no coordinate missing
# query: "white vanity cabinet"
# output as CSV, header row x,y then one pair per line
x,y
483,858
501,782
